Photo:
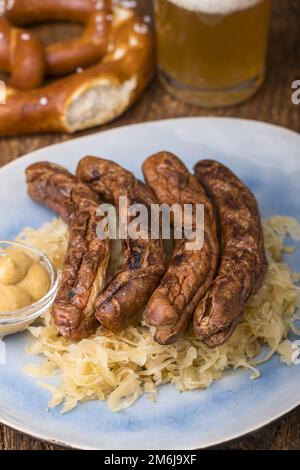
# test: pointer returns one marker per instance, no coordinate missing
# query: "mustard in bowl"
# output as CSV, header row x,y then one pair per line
x,y
28,286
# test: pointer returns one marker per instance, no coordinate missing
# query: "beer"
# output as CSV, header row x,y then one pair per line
x,y
212,52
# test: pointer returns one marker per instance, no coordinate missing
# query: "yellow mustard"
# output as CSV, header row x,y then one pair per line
x,y
23,280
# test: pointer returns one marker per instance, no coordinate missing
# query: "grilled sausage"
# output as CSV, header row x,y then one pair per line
x,y
87,256
243,263
190,272
132,285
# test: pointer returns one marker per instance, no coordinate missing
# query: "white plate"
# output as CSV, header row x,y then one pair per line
x,y
267,158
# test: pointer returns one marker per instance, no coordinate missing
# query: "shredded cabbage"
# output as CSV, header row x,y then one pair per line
x,y
121,367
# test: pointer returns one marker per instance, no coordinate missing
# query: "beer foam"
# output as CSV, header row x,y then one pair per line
x,y
221,7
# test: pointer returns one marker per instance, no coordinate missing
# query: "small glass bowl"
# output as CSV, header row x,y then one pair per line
x,y
19,320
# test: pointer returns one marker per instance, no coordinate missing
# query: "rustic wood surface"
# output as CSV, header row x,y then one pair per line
x,y
271,104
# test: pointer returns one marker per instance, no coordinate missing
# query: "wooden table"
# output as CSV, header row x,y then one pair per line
x,y
272,104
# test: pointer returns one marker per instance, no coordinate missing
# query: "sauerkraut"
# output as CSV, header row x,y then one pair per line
x,y
121,367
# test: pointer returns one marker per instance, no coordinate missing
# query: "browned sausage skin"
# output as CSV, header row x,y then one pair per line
x,y
87,256
132,285
243,263
190,272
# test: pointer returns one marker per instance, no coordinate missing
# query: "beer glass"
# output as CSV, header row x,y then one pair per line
x,y
212,52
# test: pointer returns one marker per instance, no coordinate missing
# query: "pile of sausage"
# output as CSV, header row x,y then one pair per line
x,y
208,287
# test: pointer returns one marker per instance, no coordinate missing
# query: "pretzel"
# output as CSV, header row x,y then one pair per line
x,y
22,54
63,57
95,95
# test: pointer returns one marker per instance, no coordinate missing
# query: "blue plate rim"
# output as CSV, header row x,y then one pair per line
x,y
234,435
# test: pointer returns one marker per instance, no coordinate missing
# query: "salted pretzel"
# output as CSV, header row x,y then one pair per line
x,y
21,54
115,39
